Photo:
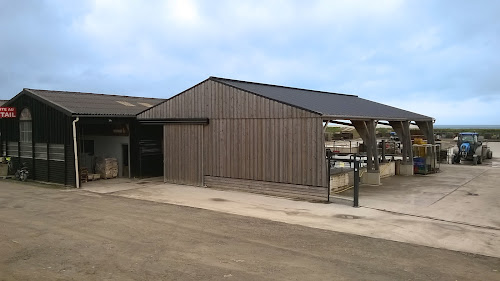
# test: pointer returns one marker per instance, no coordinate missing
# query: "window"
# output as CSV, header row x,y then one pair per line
x,y
25,128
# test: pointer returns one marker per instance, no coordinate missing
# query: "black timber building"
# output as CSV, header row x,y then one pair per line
x,y
51,125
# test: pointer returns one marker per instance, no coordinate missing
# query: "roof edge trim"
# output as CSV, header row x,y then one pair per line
x,y
165,100
31,91
162,121
215,79
344,117
98,94
286,87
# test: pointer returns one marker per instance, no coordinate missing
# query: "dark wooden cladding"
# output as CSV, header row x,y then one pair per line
x,y
273,150
183,154
312,193
49,126
214,100
247,137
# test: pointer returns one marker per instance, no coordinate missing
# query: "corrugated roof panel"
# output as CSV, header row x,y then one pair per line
x,y
96,104
145,104
125,103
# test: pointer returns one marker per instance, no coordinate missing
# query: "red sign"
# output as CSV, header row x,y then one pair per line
x,y
8,112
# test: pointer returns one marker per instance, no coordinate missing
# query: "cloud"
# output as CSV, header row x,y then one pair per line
x,y
387,51
448,110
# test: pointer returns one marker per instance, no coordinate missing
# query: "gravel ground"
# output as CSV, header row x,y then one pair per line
x,y
54,234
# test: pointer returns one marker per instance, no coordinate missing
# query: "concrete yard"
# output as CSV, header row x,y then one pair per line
x,y
456,209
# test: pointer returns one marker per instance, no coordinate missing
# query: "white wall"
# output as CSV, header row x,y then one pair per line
x,y
387,169
110,146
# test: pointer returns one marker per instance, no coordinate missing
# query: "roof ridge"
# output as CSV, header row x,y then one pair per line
x,y
280,86
41,97
87,93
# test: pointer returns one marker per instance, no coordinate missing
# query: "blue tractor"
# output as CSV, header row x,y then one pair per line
x,y
469,147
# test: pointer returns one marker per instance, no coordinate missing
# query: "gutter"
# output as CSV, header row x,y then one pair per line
x,y
75,149
162,121
104,115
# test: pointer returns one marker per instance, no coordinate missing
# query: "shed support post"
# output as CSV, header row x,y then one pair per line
x,y
406,128
362,130
366,130
427,129
402,129
325,126
398,128
372,124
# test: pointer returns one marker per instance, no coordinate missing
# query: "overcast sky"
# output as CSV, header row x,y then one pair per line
x,y
438,58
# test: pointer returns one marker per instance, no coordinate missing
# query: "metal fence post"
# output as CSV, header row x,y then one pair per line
x,y
383,151
329,156
356,181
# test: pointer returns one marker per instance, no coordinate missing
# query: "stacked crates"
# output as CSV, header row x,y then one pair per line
x,y
419,166
425,158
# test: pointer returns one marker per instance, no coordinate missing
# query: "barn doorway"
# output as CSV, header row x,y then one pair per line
x,y
104,147
150,140
125,161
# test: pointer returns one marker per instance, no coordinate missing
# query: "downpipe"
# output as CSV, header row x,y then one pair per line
x,y
75,149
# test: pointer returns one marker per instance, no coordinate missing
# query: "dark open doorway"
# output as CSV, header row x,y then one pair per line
x,y
151,151
125,158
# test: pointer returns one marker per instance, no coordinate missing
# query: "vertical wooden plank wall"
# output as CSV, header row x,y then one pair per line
x,y
262,149
183,154
248,136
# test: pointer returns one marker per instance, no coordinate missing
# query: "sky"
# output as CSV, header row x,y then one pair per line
x,y
437,58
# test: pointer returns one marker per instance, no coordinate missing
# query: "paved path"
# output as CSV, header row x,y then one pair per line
x,y
50,234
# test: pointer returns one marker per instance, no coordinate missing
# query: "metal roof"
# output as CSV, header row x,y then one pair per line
x,y
330,105
91,104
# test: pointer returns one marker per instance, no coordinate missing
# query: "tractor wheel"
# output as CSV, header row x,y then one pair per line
x,y
456,159
489,154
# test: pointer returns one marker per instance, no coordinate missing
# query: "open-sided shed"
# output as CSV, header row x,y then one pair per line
x,y
266,138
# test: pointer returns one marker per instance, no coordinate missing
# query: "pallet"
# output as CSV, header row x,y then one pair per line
x,y
93,177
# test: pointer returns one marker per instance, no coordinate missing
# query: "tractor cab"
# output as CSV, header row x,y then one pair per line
x,y
467,143
471,138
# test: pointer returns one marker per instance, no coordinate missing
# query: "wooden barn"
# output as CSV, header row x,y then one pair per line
x,y
52,125
264,138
